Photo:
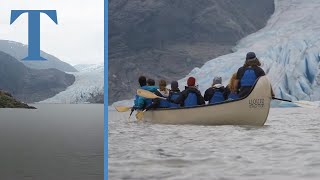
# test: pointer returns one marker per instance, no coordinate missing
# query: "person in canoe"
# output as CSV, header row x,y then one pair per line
x,y
191,96
248,74
152,88
216,93
231,92
163,88
140,102
174,93
161,92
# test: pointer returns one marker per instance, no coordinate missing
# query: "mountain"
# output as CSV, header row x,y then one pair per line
x,y
8,101
31,85
87,88
288,48
20,51
80,67
166,39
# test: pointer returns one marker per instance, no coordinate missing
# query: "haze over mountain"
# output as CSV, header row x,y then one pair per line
x,y
166,39
20,51
31,85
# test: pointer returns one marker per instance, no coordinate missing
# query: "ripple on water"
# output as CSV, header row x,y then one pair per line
x,y
287,147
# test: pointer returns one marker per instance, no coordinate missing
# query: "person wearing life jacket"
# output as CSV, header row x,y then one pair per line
x,y
161,92
248,74
216,93
174,93
230,91
152,88
142,82
191,96
163,88
141,102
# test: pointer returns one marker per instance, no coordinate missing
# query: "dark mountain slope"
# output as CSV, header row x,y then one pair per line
x,y
31,85
168,38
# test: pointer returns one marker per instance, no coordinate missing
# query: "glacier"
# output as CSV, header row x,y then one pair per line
x,y
89,82
288,47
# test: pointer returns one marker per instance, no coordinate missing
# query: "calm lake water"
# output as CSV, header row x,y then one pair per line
x,y
53,142
286,148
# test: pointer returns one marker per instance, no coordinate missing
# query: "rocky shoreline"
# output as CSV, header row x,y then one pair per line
x,y
8,101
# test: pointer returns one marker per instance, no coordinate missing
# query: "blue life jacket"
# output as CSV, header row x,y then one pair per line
x,y
191,100
173,97
249,77
217,97
233,95
163,103
136,99
147,102
141,102
150,88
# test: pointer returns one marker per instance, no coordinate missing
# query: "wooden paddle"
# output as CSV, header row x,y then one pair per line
x,y
148,94
123,108
299,103
140,114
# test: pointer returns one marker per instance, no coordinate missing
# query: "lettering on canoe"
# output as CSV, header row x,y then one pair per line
x,y
256,103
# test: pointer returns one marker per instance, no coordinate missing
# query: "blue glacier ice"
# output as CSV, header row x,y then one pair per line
x,y
288,47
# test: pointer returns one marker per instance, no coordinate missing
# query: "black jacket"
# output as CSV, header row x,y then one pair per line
x,y
155,102
257,70
171,93
210,92
185,93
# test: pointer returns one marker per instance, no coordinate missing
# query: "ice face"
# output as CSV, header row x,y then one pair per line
x,y
89,82
288,47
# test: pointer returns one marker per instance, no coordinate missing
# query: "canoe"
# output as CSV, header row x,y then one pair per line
x,y
250,110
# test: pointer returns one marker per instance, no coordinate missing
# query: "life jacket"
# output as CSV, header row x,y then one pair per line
x,y
173,97
233,95
191,100
249,77
147,102
136,101
217,97
163,103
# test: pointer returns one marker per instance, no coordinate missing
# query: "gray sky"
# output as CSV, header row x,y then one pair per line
x,y
77,39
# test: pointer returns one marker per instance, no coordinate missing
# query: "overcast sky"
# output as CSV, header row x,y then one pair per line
x,y
77,39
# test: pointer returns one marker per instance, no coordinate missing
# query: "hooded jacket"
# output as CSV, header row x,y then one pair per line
x,y
215,93
185,93
141,102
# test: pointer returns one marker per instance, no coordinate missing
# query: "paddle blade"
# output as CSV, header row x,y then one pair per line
x,y
306,104
140,115
147,94
122,108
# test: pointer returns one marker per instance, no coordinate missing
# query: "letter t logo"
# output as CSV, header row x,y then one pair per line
x,y
34,29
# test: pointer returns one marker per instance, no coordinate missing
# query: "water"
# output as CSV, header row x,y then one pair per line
x,y
287,147
54,142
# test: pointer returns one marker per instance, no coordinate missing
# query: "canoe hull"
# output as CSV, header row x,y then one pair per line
x,y
252,110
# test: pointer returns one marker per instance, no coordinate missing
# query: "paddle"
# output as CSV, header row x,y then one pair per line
x,y
302,104
140,114
148,94
122,108
281,99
